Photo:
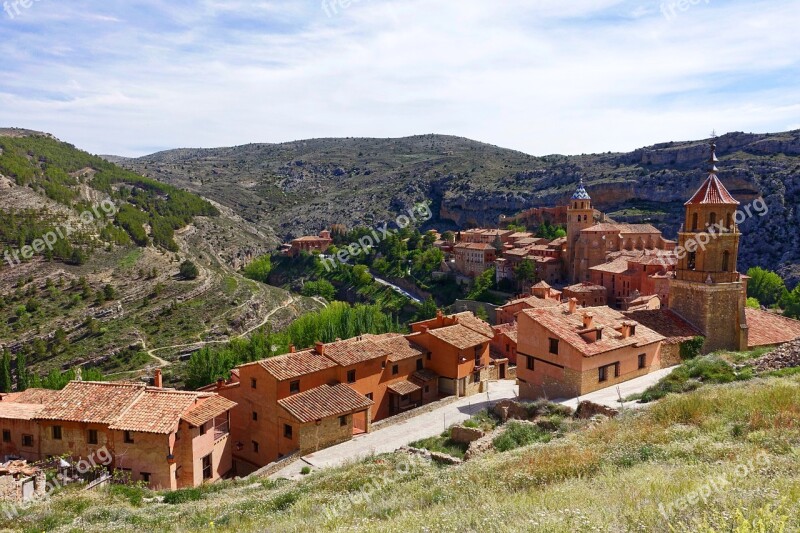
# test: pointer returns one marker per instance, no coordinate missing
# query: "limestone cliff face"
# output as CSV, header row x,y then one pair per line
x,y
301,187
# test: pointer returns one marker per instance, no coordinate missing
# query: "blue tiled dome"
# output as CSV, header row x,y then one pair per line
x,y
580,193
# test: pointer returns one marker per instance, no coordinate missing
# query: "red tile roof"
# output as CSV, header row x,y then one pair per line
x,y
324,402
399,347
617,266
509,330
567,327
645,229
404,388
459,336
665,322
19,411
294,365
474,323
155,411
97,403
40,396
425,375
207,409
531,302
353,351
584,287
712,192
768,329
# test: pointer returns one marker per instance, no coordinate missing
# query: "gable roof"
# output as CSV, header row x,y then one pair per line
x,y
459,336
399,347
404,387
712,192
474,323
40,396
19,411
155,411
768,329
353,351
91,402
567,327
294,365
324,402
207,409
667,323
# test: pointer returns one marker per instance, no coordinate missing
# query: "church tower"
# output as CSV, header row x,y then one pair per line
x,y
707,289
580,215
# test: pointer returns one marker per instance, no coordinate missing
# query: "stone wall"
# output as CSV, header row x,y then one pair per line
x,y
464,434
714,309
587,410
670,356
392,420
329,432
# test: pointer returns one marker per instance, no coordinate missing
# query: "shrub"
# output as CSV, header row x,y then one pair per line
x,y
518,434
693,348
259,269
305,470
189,270
178,497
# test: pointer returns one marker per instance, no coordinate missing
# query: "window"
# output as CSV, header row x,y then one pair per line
x,y
207,469
255,447
92,437
616,370
383,364
203,429
146,477
395,370
529,363
419,364
554,346
428,356
128,437
427,389
692,260
726,261
287,431
343,421
294,387
252,383
255,416
694,222
369,395
642,361
56,432
476,377
351,376
6,435
27,441
712,219
603,376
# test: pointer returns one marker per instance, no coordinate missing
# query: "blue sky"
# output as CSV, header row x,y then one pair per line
x,y
542,76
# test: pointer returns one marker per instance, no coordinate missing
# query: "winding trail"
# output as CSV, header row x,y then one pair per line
x,y
162,363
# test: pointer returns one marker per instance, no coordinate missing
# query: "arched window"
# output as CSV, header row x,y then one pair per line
x,y
712,219
694,222
726,259
692,260
729,222
585,218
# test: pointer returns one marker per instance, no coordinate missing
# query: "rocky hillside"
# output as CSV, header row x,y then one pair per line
x,y
304,186
106,292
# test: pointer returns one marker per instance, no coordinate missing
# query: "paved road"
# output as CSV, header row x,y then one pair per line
x,y
433,423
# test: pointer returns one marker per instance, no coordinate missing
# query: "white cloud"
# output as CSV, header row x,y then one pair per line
x,y
543,77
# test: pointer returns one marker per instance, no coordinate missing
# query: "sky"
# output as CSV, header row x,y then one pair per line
x,y
133,77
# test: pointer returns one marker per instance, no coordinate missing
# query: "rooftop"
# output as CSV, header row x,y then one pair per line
x,y
768,329
154,412
294,365
624,229
399,347
353,351
19,411
459,336
324,402
404,387
91,402
568,327
712,192
665,322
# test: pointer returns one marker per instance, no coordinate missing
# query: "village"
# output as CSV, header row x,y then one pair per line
x,y
609,303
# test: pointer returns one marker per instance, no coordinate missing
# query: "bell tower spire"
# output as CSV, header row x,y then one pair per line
x,y
580,216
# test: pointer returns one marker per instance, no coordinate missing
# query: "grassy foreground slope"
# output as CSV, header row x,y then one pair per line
x,y
723,458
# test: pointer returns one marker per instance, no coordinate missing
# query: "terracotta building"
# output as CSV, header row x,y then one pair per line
x,y
565,351
165,438
309,244
641,273
586,294
473,259
707,289
506,314
307,400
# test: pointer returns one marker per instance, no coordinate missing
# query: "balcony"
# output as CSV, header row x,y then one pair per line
x,y
221,430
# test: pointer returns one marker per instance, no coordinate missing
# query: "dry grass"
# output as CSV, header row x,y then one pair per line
x,y
634,473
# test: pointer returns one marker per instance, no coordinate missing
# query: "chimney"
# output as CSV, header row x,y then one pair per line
x,y
292,349
628,329
423,329
319,348
573,305
588,320
220,383
439,314
158,380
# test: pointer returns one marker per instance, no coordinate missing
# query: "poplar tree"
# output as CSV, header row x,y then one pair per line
x,y
5,372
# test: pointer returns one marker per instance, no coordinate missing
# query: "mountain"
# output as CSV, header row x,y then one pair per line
x,y
304,186
90,257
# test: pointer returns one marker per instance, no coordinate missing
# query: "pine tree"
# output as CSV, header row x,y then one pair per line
x,y
22,373
5,372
